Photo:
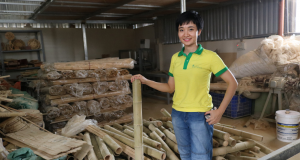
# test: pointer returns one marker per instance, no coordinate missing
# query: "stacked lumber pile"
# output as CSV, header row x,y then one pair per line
x,y
96,88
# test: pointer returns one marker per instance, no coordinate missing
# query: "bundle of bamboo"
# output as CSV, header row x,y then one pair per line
x,y
96,88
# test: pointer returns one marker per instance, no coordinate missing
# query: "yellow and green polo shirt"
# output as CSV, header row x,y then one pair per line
x,y
192,74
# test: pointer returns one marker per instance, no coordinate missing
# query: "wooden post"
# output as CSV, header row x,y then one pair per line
x,y
137,119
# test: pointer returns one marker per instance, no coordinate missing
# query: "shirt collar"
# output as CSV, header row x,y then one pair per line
x,y
198,51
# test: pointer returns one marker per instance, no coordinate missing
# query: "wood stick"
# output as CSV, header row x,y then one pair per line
x,y
239,133
87,97
5,76
6,99
16,95
165,112
237,147
12,114
12,109
169,152
87,80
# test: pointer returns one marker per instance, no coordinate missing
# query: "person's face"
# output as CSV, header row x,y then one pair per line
x,y
188,34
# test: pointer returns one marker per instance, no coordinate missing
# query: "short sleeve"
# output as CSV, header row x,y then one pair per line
x,y
171,70
217,65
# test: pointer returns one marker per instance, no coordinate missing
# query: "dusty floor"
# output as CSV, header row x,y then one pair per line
x,y
151,108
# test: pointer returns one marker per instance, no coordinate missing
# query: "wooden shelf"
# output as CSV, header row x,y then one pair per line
x,y
17,51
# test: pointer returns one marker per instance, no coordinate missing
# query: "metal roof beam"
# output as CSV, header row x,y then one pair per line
x,y
177,4
31,0
107,9
23,4
40,9
73,21
208,2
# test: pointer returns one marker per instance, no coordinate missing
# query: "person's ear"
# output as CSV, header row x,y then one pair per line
x,y
199,32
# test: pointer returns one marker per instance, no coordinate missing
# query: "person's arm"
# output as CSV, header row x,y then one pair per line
x,y
216,115
163,87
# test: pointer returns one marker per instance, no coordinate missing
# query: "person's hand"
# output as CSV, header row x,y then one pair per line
x,y
140,77
215,116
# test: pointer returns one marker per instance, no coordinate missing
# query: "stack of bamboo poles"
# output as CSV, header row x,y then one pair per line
x,y
94,88
159,141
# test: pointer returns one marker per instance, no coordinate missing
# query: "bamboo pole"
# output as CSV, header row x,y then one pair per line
x,y
126,149
160,133
112,144
88,80
215,143
165,112
255,149
222,142
169,124
12,114
232,142
5,99
112,157
107,127
16,95
231,157
155,123
170,154
96,147
91,155
239,133
262,147
172,145
118,126
218,158
247,154
5,76
130,128
146,130
165,119
137,119
88,65
86,97
85,148
221,134
237,147
168,134
146,140
147,149
103,148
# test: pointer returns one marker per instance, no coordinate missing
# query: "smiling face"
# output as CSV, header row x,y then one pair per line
x,y
188,34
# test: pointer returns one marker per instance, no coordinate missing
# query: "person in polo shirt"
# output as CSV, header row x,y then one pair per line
x,y
190,74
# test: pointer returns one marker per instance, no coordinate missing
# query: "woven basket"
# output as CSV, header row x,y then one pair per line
x,y
9,36
34,44
18,44
13,124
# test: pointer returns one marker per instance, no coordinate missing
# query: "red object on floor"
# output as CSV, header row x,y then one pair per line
x,y
17,85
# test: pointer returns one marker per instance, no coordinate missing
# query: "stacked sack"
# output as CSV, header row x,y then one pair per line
x,y
97,88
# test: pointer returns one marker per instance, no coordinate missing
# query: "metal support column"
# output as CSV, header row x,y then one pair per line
x,y
86,57
182,6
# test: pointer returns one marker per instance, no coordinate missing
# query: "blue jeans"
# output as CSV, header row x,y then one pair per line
x,y
193,135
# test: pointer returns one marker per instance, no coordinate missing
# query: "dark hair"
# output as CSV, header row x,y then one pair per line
x,y
190,16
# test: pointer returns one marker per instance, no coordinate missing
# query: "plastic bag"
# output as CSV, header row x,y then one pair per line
x,y
92,74
112,86
122,85
100,87
80,107
57,90
81,73
52,113
101,72
68,74
76,125
122,72
53,75
80,89
111,72
93,107
66,110
104,102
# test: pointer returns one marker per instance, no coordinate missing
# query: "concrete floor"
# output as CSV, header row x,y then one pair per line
x,y
151,108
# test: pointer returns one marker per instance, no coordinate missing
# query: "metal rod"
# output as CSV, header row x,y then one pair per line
x,y
84,42
281,18
39,10
74,21
182,6
23,4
